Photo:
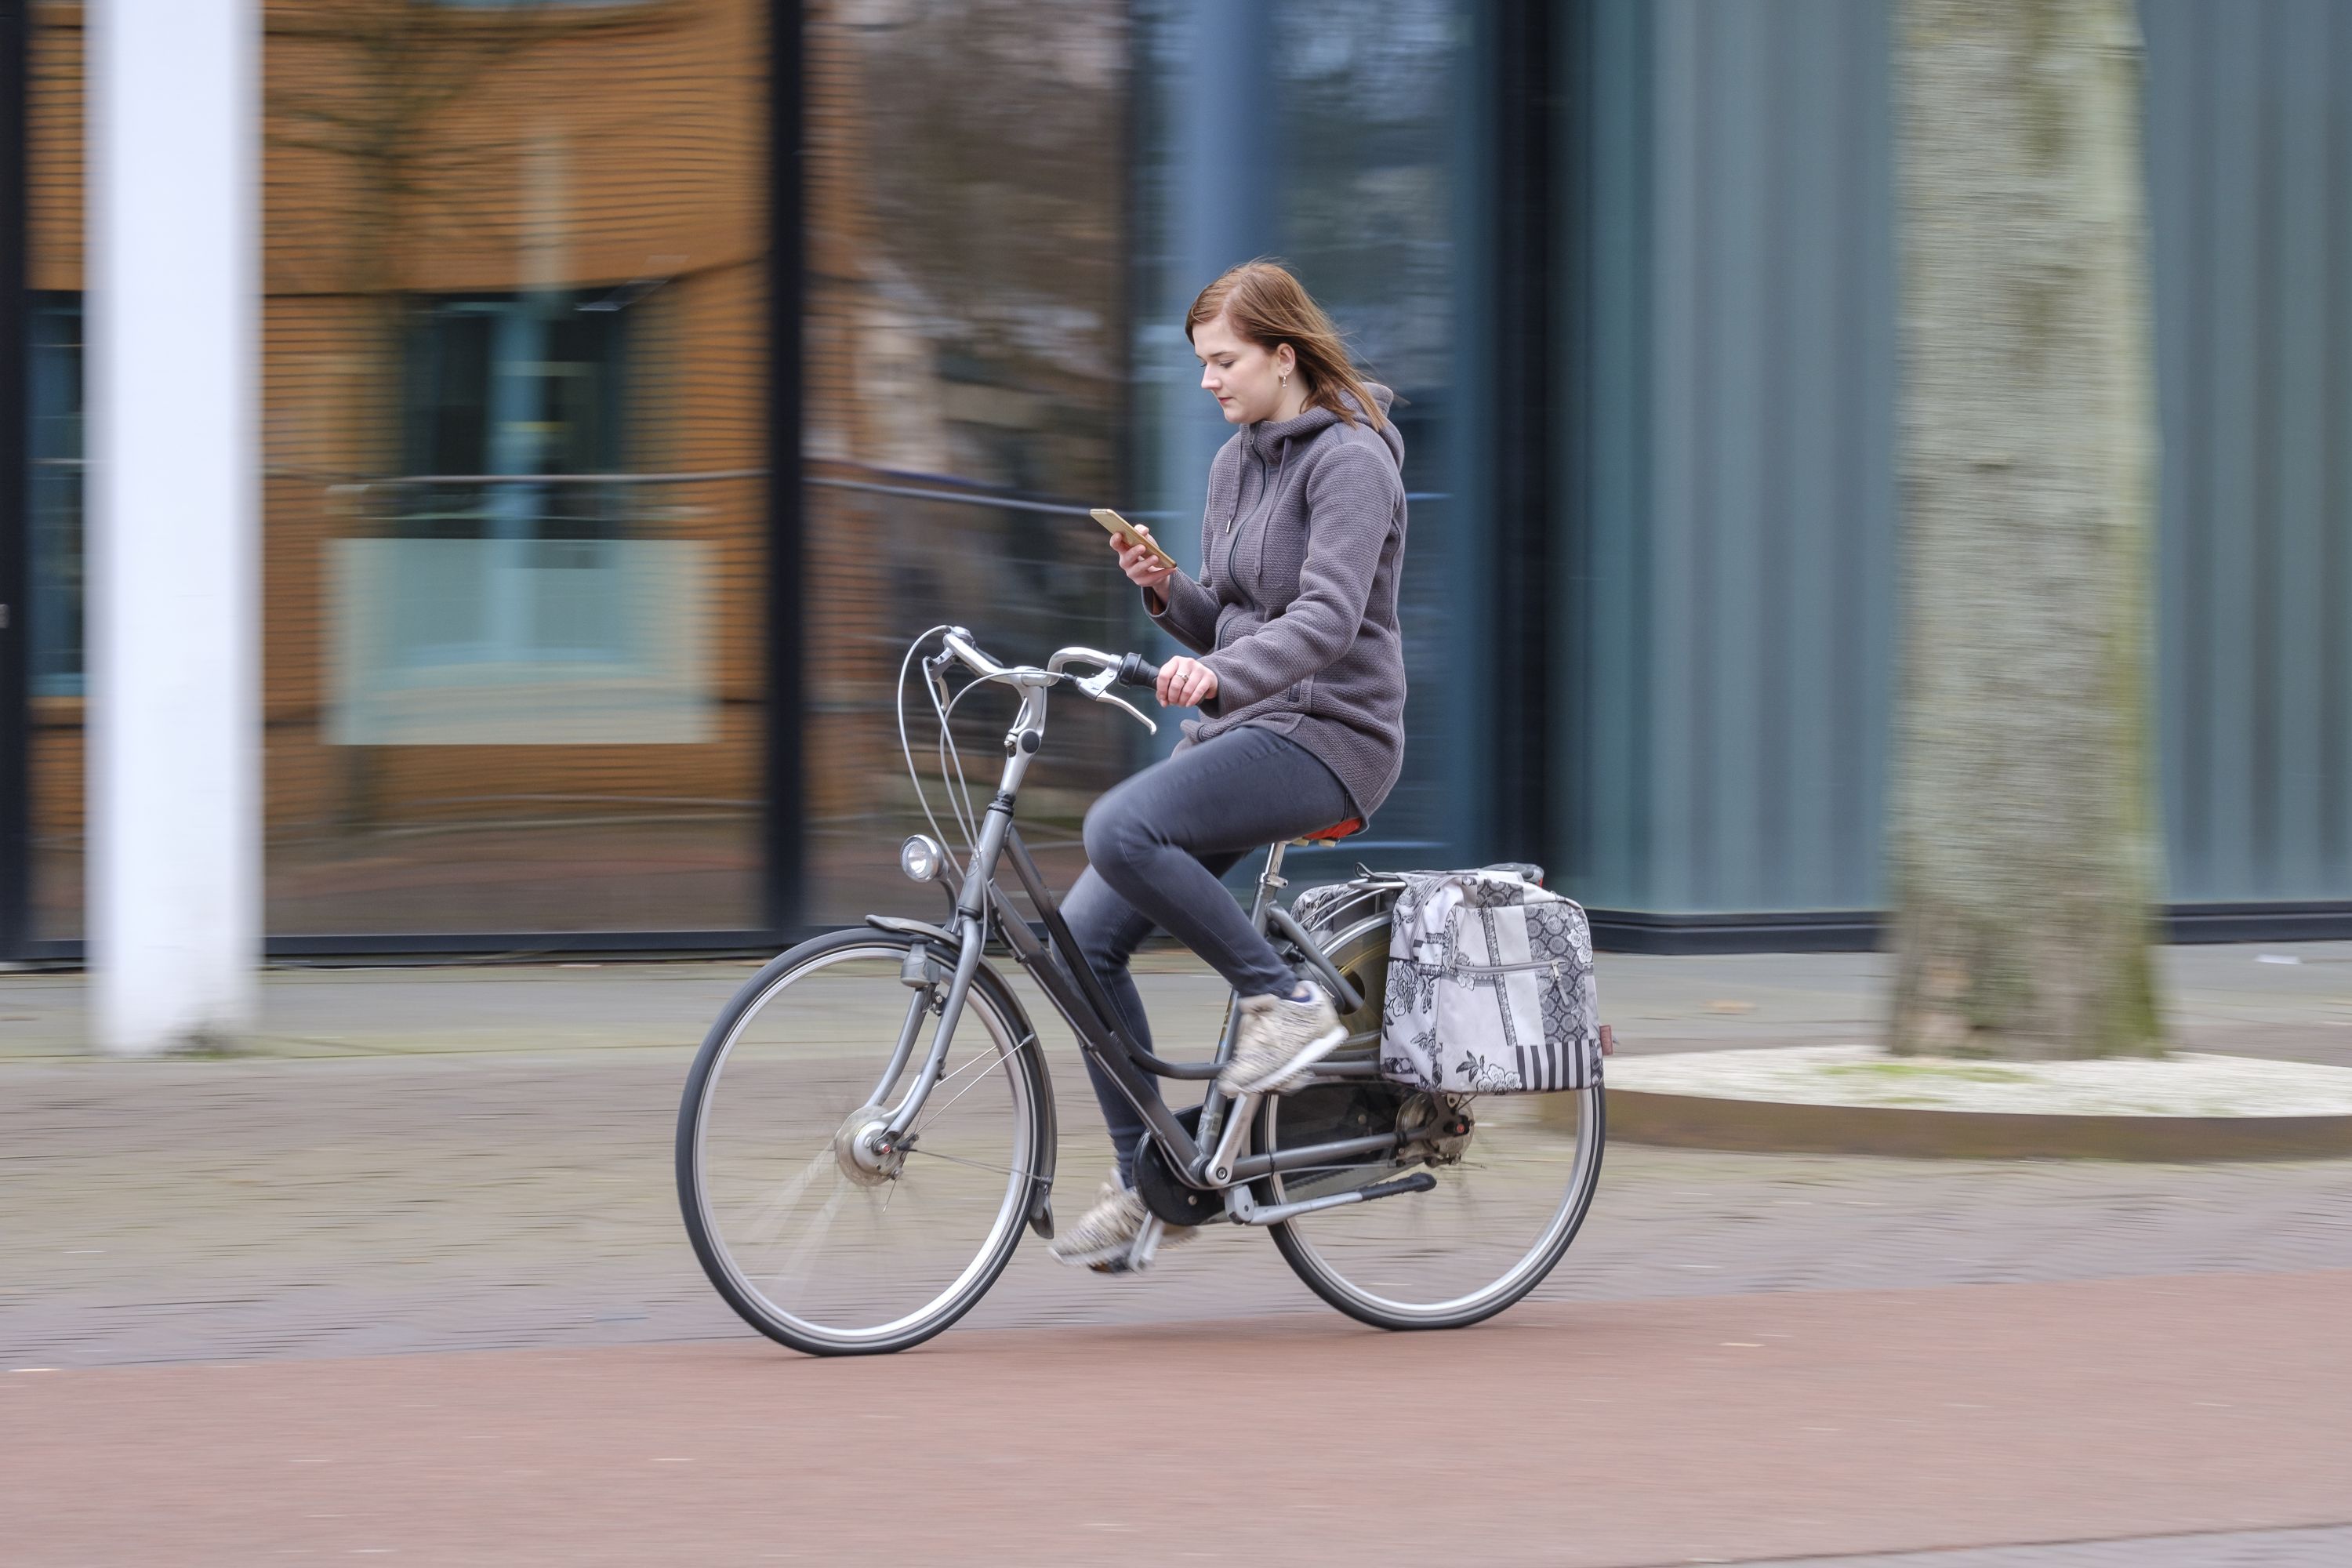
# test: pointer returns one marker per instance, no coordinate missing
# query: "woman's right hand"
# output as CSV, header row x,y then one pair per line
x,y
1143,569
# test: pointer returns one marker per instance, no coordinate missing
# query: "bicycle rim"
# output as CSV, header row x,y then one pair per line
x,y
806,1247
1495,1225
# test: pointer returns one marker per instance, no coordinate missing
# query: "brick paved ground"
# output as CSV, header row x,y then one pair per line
x,y
476,1161
1592,1435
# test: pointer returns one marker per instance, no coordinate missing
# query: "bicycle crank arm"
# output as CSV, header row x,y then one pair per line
x,y
1418,1181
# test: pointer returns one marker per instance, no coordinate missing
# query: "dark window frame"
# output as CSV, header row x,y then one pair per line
x,y
15,535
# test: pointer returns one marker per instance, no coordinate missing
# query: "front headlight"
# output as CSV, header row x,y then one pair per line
x,y
921,857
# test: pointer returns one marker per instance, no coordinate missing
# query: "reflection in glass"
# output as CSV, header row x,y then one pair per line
x,y
1333,134
480,642
56,450
1373,217
515,264
965,397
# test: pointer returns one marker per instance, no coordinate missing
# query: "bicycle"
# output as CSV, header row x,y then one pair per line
x,y
841,1216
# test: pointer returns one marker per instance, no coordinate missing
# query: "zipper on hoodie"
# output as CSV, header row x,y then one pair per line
x,y
1235,516
1268,487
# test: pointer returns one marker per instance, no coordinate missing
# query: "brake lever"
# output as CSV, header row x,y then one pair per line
x,y
935,678
1097,686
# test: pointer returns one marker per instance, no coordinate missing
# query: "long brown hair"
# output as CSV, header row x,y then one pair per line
x,y
1269,306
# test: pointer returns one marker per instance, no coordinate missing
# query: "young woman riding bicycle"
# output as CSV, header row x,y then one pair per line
x,y
1299,679
869,1126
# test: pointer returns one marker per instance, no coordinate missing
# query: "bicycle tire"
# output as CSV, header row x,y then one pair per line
x,y
993,1009
1359,951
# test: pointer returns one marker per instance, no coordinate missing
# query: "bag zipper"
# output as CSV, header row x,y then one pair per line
x,y
1505,969
1461,966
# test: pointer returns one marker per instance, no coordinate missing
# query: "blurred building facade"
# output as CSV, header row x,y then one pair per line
x,y
640,375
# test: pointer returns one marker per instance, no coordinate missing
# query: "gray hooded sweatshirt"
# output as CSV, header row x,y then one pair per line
x,y
1296,607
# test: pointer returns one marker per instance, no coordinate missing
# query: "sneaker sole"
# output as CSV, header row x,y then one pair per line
x,y
1296,1066
1094,1257
1097,1258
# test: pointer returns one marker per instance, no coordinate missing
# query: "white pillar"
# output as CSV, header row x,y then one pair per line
x,y
174,582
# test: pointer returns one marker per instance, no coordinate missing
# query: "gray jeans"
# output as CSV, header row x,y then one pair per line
x,y
1155,846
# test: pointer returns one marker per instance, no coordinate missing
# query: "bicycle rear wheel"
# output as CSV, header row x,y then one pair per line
x,y
1500,1218
814,1244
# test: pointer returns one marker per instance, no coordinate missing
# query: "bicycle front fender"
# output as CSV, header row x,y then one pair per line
x,y
1040,1212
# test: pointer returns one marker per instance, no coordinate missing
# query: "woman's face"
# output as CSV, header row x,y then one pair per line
x,y
1244,379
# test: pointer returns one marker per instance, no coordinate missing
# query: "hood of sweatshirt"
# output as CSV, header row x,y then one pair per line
x,y
1270,440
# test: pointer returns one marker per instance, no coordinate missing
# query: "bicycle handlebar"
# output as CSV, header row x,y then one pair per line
x,y
957,641
1129,669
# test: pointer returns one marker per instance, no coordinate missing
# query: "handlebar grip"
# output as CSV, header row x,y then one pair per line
x,y
1136,671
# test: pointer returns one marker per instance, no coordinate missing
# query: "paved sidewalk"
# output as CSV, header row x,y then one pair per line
x,y
479,1199
452,1159
2220,998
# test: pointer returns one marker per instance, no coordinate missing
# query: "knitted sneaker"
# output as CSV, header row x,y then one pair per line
x,y
1281,1037
1103,1236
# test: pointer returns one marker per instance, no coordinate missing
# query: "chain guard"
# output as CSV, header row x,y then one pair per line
x,y
1434,1130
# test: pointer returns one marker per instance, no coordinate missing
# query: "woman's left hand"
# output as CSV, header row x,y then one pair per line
x,y
1186,683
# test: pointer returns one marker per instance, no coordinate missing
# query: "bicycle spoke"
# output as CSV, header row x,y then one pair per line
x,y
985,1056
958,1094
789,1270
765,1226
975,1164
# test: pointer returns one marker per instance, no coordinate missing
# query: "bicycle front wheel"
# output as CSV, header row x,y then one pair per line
x,y
813,1240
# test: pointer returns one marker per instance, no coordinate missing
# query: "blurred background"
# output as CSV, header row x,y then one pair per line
x,y
641,376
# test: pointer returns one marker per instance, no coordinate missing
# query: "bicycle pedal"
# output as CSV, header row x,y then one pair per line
x,y
1146,1246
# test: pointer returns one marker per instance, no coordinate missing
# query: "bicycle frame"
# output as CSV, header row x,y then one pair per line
x,y
1211,1161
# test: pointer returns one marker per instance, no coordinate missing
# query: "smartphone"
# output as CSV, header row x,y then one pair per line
x,y
1128,534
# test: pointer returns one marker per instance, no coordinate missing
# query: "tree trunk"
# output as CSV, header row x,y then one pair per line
x,y
2024,859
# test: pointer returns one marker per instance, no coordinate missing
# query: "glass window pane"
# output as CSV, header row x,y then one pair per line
x,y
514,525
1370,119
1333,134
965,403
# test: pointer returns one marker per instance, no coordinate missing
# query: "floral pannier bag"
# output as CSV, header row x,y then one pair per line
x,y
1490,986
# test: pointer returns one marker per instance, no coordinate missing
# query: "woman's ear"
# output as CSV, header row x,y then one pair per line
x,y
1285,360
